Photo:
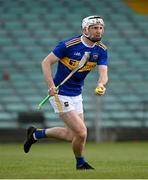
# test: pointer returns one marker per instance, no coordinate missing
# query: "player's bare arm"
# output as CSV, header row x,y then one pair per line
x,y
47,71
103,79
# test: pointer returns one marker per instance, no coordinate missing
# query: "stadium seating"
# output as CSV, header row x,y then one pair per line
x,y
30,29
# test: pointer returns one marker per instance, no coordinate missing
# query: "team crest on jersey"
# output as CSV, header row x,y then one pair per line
x,y
95,56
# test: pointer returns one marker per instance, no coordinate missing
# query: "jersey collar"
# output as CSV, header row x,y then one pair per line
x,y
86,44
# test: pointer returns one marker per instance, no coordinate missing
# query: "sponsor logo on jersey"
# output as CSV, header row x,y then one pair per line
x,y
77,53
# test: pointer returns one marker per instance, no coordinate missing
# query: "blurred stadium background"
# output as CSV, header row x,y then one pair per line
x,y
29,29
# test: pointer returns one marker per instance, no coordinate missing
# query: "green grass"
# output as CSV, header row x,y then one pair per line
x,y
56,161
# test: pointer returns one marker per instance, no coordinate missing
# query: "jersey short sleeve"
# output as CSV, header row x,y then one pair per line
x,y
103,57
60,50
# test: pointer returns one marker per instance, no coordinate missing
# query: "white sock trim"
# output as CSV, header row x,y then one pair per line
x,y
34,136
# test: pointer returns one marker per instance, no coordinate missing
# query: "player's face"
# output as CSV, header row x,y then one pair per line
x,y
95,32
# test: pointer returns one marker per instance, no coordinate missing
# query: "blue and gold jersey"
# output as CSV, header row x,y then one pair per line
x,y
70,53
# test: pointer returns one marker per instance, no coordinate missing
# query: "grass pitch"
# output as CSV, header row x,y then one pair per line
x,y
56,161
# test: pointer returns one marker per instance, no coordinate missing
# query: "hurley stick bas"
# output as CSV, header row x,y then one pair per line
x,y
80,65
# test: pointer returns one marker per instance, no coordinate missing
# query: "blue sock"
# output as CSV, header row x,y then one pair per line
x,y
39,134
80,161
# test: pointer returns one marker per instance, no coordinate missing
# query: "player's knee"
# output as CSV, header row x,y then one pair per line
x,y
82,134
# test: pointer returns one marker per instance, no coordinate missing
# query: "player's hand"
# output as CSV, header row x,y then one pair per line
x,y
52,91
100,90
